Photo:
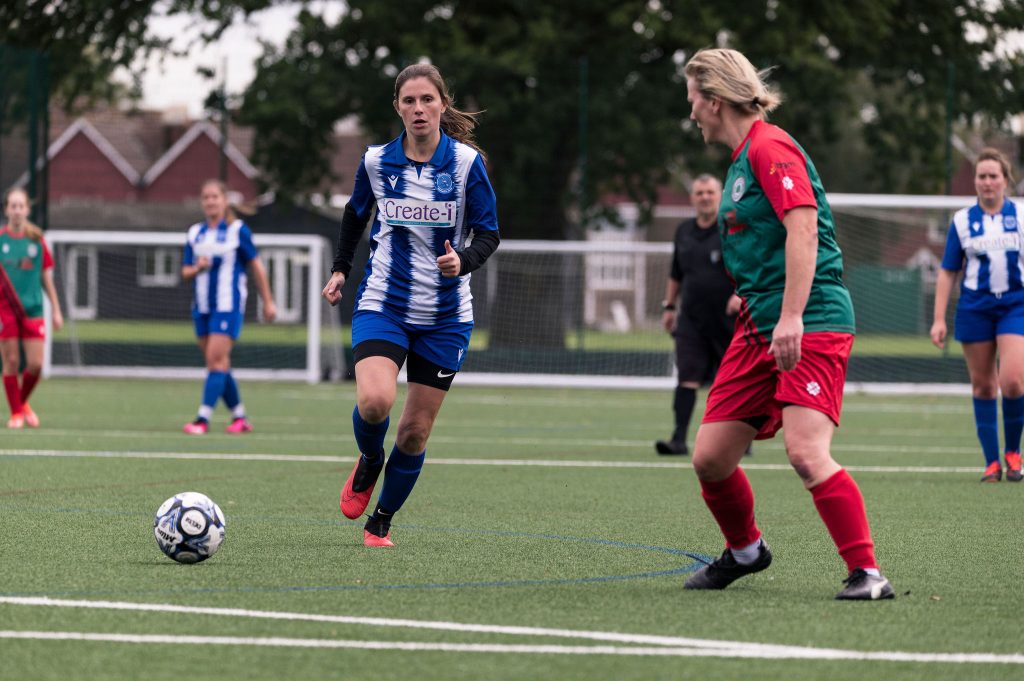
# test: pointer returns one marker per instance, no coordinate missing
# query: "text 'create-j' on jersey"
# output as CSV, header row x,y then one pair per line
x,y
222,287
418,208
989,246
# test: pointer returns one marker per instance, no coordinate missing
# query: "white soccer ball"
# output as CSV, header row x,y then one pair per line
x,y
189,527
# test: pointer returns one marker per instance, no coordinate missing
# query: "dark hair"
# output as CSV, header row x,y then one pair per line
x,y
455,123
31,229
993,154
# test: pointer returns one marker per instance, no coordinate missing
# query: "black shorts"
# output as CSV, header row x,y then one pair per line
x,y
699,354
421,370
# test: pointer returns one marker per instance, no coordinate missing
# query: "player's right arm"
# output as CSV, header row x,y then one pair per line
x,y
952,263
353,224
191,264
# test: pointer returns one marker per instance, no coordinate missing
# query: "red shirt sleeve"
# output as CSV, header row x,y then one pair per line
x,y
781,170
47,257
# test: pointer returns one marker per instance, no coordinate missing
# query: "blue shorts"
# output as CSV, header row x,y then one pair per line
x,y
445,344
226,323
981,317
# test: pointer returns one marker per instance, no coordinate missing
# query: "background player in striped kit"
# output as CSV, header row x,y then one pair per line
x,y
435,223
786,365
217,253
26,273
985,242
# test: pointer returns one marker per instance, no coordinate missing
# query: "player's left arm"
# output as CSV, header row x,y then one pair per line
x,y
781,170
49,288
252,260
482,217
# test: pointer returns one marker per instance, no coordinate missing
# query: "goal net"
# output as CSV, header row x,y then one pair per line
x,y
588,313
127,310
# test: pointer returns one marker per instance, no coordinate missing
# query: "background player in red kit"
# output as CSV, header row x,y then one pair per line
x,y
786,365
25,275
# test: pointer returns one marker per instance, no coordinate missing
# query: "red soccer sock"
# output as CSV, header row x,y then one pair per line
x,y
13,393
28,382
841,506
732,503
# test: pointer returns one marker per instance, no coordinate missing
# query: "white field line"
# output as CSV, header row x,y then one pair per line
x,y
647,645
539,463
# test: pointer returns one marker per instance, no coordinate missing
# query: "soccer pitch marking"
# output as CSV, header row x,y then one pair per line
x,y
540,463
627,644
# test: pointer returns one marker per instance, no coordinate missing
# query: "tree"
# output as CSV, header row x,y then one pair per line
x,y
88,41
584,98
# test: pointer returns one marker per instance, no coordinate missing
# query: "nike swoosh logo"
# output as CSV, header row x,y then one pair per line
x,y
441,374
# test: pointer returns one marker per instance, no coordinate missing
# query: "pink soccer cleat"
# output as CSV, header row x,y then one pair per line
x,y
239,425
377,532
16,422
197,427
363,475
31,420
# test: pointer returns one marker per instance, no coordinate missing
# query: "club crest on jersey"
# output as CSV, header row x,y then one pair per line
x,y
1009,223
33,250
443,183
738,187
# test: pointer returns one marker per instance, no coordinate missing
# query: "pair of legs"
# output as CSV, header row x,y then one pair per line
x,y
219,383
376,390
17,386
753,398
997,366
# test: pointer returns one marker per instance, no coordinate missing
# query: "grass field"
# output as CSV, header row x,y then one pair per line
x,y
545,540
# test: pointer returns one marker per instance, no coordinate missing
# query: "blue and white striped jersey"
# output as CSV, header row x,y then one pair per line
x,y
987,248
419,206
221,288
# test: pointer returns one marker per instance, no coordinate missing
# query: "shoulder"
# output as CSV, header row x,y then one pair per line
x,y
194,230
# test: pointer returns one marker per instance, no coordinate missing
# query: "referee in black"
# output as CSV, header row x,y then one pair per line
x,y
700,307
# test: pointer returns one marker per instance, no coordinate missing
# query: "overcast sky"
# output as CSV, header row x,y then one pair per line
x,y
176,82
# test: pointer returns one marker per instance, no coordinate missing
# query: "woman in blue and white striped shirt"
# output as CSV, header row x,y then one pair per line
x,y
985,242
435,223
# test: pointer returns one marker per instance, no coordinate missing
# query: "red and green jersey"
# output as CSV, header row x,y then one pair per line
x,y
23,261
770,175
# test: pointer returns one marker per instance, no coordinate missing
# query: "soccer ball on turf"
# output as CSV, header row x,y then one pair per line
x,y
189,527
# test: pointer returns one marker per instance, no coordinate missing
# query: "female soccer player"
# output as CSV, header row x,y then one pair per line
x,y
786,365
985,242
26,272
217,253
435,223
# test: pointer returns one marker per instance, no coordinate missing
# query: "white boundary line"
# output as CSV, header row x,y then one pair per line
x,y
665,645
539,463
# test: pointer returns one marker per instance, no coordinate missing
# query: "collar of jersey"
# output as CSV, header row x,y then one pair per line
x,y
444,152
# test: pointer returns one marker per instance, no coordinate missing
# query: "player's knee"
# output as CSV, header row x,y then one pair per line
x,y
33,367
412,437
374,408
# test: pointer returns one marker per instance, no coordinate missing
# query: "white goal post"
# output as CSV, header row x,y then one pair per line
x,y
126,309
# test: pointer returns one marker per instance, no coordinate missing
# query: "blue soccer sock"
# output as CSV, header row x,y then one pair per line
x,y
370,436
232,397
1013,422
987,422
212,390
399,478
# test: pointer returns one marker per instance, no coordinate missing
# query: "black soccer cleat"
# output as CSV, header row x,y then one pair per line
x,y
861,586
723,571
677,447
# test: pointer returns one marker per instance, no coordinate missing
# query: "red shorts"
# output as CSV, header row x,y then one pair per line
x,y
26,328
749,385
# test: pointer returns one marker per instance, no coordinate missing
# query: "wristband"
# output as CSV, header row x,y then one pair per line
x,y
668,306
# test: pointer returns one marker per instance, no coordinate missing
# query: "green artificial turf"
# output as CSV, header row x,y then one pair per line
x,y
542,509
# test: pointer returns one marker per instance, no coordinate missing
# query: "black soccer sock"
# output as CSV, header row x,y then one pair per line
x,y
683,403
